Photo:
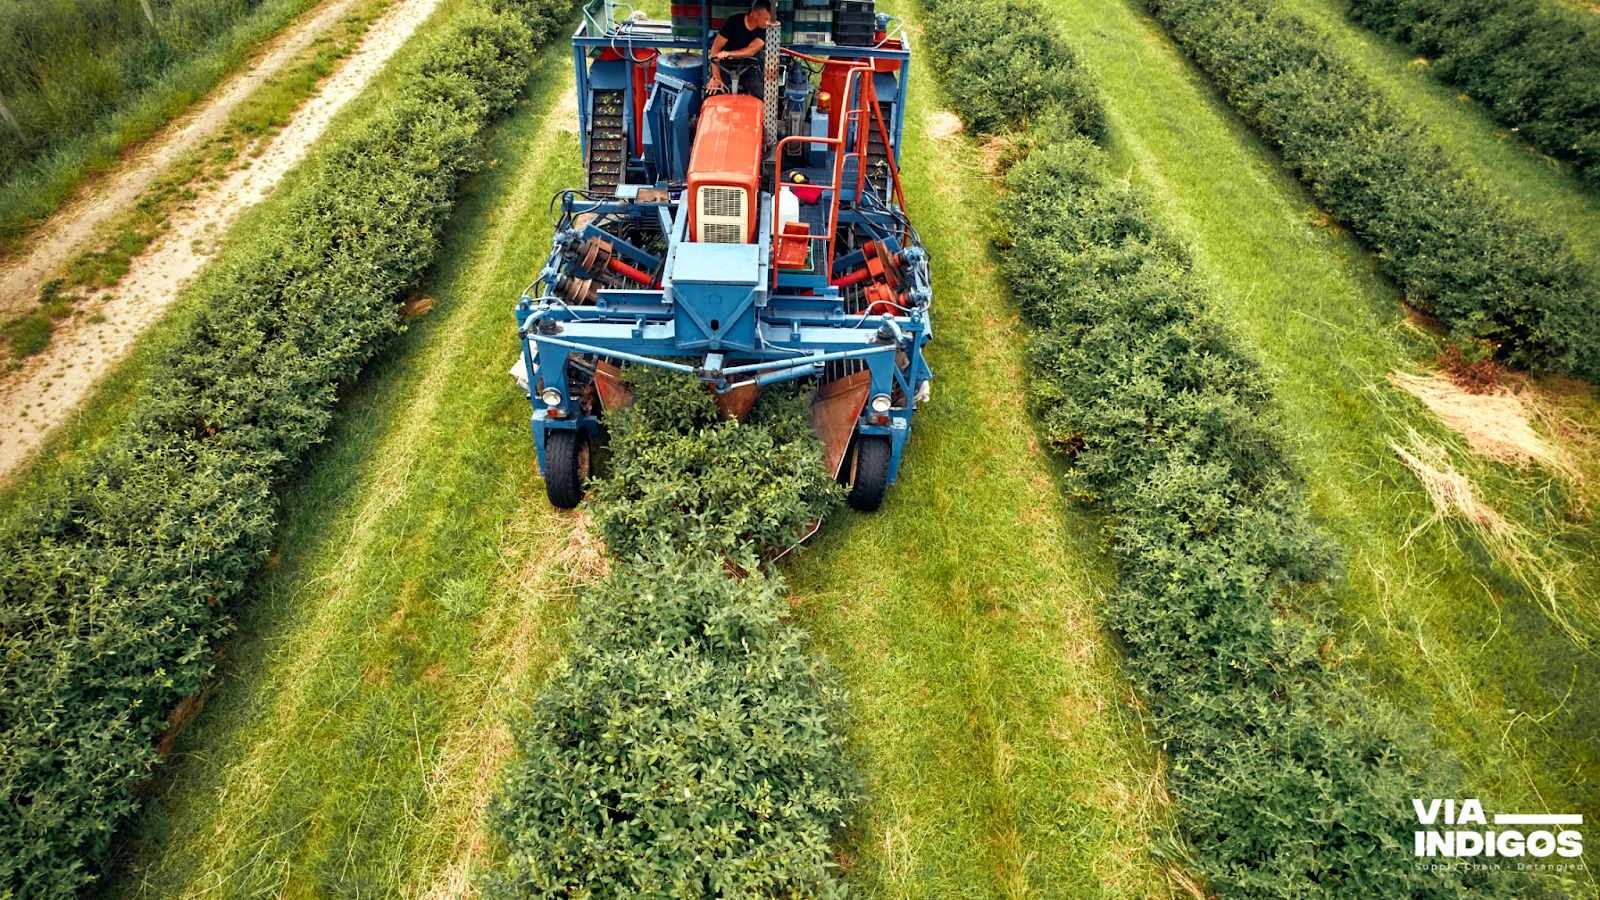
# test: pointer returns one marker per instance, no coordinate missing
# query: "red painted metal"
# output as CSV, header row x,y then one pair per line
x,y
727,153
622,268
644,72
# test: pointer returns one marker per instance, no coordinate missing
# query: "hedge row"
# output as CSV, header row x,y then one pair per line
x,y
1459,251
115,584
1288,780
1006,65
677,469
687,745
1534,63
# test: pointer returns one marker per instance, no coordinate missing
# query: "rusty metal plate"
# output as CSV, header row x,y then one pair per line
x,y
614,393
834,411
736,403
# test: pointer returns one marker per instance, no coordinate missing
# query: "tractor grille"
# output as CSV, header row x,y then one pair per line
x,y
723,215
721,234
723,203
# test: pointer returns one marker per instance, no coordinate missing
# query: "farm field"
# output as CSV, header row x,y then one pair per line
x,y
1500,664
88,79
419,584
423,585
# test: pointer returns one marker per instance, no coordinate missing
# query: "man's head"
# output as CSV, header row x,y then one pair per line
x,y
760,14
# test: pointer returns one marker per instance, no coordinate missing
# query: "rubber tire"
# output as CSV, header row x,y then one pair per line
x,y
566,467
871,479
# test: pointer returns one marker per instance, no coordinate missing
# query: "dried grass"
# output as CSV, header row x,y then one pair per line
x,y
1450,490
1497,425
943,125
1554,582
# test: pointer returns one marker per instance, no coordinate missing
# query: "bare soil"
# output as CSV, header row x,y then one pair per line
x,y
46,390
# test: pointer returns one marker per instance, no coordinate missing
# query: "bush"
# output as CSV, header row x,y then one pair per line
x,y
687,746
678,469
1536,65
115,583
1459,252
1290,781
1006,65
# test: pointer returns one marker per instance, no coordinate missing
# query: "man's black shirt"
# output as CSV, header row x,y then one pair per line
x,y
738,35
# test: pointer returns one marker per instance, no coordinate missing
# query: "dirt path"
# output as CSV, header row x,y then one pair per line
x,y
50,386
76,222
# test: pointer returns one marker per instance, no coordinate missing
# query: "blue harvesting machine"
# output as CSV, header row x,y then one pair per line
x,y
746,240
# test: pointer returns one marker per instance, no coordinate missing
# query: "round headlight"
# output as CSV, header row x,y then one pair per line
x,y
551,396
880,403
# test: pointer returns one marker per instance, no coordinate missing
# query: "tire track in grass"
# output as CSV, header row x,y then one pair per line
x,y
1002,758
359,729
1448,634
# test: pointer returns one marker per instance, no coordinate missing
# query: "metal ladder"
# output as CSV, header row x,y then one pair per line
x,y
607,144
877,166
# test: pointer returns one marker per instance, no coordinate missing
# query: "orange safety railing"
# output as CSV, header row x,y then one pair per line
x,y
867,105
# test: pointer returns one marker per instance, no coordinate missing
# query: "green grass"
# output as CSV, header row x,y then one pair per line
x,y
1002,755
83,92
1449,632
1537,183
357,730
101,415
243,138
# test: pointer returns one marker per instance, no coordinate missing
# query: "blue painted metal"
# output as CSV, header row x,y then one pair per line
x,y
719,311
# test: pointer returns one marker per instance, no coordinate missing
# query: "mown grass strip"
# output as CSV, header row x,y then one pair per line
x,y
420,572
1448,630
1460,252
1537,184
114,579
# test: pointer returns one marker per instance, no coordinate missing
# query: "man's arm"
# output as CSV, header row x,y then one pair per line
x,y
714,83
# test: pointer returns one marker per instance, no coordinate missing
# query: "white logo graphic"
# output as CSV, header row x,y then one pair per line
x,y
1488,842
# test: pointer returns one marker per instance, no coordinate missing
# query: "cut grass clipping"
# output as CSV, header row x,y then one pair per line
x,y
115,579
688,745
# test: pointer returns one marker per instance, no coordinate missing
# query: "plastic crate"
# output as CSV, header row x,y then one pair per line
x,y
854,21
851,36
853,6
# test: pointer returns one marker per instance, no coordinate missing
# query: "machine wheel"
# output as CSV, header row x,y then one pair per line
x,y
871,478
566,467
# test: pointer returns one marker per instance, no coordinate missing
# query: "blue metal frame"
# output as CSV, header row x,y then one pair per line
x,y
719,305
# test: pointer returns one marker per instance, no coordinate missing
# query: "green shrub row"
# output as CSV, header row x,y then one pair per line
x,y
1534,63
117,580
1006,64
678,469
1459,251
687,745
1289,781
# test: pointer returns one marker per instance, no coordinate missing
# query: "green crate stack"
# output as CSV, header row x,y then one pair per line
x,y
813,26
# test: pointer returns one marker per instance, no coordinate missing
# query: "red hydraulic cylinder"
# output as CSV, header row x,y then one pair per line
x,y
627,271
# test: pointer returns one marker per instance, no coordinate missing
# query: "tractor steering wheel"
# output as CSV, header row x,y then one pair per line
x,y
735,66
